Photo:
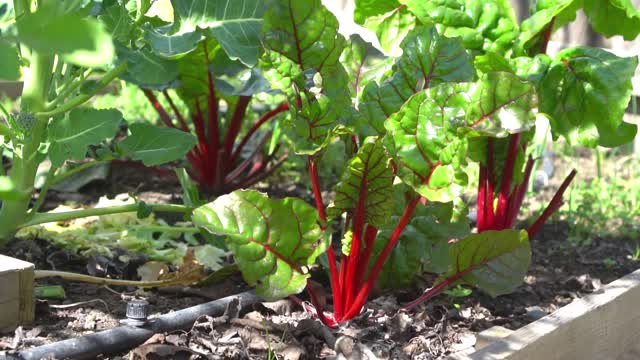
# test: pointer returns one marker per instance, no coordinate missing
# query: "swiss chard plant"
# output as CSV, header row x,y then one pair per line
x,y
217,78
408,123
582,91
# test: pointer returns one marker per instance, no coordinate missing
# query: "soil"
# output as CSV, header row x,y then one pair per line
x,y
560,272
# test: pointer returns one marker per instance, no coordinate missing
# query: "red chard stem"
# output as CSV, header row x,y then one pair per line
x,y
507,178
554,205
235,123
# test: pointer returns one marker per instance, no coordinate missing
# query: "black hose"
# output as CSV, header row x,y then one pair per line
x,y
124,338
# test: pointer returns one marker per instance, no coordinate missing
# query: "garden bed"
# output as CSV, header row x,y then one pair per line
x,y
560,273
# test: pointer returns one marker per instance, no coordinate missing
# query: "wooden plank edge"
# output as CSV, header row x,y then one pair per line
x,y
602,325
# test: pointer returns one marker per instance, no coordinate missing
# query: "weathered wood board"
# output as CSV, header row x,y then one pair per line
x,y
16,293
603,325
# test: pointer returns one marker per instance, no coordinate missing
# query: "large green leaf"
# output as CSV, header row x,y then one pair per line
x,y
171,46
501,104
423,138
365,9
71,135
272,240
585,92
117,22
155,145
363,64
79,40
147,69
391,28
428,60
532,28
234,23
9,62
305,32
305,47
423,245
369,175
613,17
494,261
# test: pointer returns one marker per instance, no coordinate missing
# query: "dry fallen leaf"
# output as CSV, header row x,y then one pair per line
x,y
188,273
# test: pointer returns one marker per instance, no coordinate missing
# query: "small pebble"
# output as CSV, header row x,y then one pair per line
x,y
535,312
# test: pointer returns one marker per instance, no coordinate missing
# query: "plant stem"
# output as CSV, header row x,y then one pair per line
x,y
60,177
164,116
169,229
7,131
43,191
25,162
235,124
507,179
266,117
175,110
436,289
41,218
315,184
81,99
553,205
366,288
481,221
69,87
42,274
547,36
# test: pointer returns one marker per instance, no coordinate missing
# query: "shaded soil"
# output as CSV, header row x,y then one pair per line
x,y
560,272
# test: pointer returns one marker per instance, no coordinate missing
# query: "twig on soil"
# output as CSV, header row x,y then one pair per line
x,y
80,303
39,274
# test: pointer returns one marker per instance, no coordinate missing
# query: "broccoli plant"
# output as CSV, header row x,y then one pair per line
x,y
69,51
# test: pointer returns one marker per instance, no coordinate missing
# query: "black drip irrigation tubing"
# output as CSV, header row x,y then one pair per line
x,y
124,338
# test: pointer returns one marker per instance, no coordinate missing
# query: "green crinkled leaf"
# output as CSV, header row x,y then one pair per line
x,y
423,246
585,93
448,13
500,104
428,60
531,69
494,261
423,138
271,239
235,24
368,175
78,40
155,145
71,135
483,26
306,34
9,62
613,17
365,9
391,28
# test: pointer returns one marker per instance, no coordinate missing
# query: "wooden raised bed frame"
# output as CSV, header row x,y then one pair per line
x,y
602,325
